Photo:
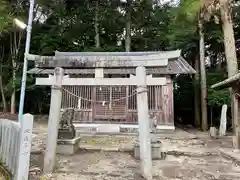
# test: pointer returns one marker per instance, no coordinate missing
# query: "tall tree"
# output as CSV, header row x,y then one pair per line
x,y
96,25
203,76
210,8
189,10
128,25
15,43
4,101
197,109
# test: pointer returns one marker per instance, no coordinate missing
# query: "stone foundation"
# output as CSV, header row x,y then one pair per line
x,y
68,146
156,150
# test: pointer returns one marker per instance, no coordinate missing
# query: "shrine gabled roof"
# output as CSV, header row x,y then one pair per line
x,y
175,66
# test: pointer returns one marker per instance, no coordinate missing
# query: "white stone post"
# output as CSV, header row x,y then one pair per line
x,y
143,121
223,121
25,147
53,121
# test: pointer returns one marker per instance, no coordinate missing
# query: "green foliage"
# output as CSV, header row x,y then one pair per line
x,y
69,26
5,16
189,9
216,98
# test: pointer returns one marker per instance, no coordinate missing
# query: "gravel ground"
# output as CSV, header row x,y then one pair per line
x,y
203,164
122,166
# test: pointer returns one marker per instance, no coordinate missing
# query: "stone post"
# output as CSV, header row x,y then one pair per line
x,y
53,121
25,147
143,122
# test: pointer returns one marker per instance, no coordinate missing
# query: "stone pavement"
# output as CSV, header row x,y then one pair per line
x,y
122,166
189,157
232,154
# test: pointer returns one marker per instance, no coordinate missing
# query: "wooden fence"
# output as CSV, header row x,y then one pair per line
x,y
15,146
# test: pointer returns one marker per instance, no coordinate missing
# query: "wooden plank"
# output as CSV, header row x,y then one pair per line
x,y
101,81
99,61
99,73
171,103
165,104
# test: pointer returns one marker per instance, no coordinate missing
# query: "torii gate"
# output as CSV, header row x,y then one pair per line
x,y
142,105
154,59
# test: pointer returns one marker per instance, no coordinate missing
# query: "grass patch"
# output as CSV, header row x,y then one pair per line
x,y
4,174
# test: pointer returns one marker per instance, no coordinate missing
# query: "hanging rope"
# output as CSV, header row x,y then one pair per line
x,y
237,94
104,102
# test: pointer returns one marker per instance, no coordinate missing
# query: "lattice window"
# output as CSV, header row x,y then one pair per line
x,y
154,92
78,97
110,102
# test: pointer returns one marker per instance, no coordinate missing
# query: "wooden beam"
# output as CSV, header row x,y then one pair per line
x,y
227,82
162,54
98,61
101,81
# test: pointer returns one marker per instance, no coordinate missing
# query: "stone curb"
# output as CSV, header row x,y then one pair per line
x,y
159,136
108,149
229,154
129,150
190,154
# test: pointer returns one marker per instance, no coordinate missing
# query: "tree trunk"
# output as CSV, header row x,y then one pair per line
x,y
229,44
197,109
128,26
13,102
229,40
203,78
15,42
219,62
96,25
5,109
13,96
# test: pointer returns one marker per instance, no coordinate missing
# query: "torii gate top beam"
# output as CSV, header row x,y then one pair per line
x,y
102,60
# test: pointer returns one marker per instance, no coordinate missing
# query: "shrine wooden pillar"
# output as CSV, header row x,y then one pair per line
x,y
236,116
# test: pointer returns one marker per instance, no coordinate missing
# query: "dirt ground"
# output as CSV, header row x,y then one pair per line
x,y
190,156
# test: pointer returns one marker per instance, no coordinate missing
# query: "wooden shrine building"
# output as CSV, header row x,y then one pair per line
x,y
234,83
101,86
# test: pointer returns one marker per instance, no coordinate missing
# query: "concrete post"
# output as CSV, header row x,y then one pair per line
x,y
25,147
53,121
143,121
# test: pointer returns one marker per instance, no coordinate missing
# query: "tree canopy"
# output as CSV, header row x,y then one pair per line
x,y
69,25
